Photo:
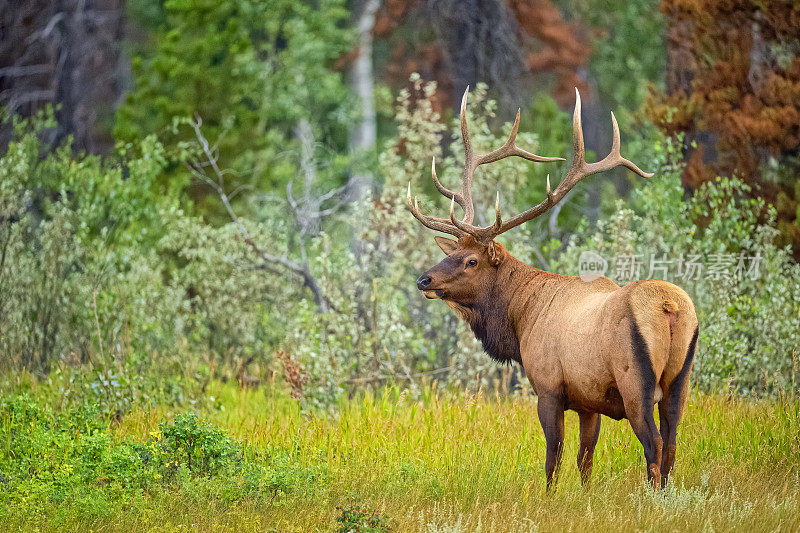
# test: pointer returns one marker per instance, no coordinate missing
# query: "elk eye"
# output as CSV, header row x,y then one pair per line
x,y
472,263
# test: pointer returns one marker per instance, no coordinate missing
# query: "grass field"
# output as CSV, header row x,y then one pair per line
x,y
437,463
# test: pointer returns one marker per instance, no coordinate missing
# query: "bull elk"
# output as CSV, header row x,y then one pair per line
x,y
592,347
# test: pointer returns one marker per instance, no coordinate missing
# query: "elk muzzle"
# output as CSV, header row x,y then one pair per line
x,y
424,283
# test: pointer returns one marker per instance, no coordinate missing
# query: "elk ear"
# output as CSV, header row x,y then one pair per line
x,y
496,253
448,246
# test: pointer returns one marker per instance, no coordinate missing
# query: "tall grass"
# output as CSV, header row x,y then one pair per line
x,y
474,463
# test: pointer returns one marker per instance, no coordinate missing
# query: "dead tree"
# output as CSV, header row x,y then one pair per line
x,y
307,210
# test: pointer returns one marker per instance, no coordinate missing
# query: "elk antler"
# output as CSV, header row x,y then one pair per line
x,y
463,197
578,170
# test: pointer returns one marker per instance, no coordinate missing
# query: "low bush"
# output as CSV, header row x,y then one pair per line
x,y
72,459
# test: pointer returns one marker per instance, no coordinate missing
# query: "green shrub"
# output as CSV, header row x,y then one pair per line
x,y
110,290
187,443
71,459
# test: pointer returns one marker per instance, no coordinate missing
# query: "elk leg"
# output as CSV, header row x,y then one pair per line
x,y
670,410
638,387
640,416
590,431
551,416
668,426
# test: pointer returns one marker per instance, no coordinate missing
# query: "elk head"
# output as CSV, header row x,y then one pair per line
x,y
467,270
472,261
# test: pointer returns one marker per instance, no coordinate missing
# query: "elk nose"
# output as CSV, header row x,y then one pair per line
x,y
423,282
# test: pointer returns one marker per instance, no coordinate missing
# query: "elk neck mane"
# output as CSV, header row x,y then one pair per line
x,y
489,317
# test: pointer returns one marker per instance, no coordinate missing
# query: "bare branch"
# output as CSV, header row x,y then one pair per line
x,y
218,185
239,189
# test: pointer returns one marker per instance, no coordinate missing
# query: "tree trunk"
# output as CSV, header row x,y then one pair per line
x,y
63,52
364,134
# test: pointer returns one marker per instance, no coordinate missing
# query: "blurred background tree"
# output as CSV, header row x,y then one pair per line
x,y
251,70
70,53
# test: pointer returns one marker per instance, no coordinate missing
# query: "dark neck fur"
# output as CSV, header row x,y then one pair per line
x,y
490,322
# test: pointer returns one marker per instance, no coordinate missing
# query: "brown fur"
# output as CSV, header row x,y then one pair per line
x,y
595,348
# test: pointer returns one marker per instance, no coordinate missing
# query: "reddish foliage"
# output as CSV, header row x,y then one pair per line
x,y
733,87
293,374
391,15
564,53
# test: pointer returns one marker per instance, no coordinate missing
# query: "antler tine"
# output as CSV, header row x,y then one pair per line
x,y
498,221
579,156
441,188
579,168
471,161
437,224
511,149
469,165
614,158
468,153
